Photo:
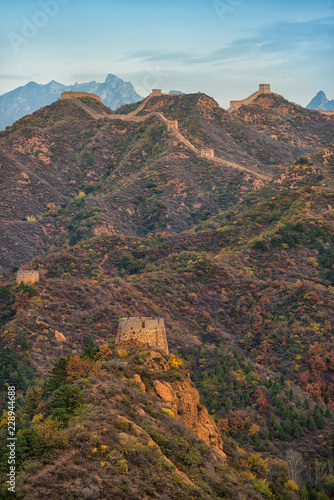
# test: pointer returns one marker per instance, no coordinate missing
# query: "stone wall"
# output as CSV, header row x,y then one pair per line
x,y
75,95
264,88
142,332
156,92
27,277
207,153
172,124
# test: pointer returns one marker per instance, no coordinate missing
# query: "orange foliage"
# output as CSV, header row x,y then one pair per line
x,y
81,368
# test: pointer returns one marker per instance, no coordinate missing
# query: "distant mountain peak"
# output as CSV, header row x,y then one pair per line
x,y
28,98
321,102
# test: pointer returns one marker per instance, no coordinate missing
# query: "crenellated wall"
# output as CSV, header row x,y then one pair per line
x,y
142,332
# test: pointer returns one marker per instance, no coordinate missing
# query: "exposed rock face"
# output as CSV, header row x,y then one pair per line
x,y
183,399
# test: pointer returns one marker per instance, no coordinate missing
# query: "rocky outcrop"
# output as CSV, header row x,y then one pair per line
x,y
184,401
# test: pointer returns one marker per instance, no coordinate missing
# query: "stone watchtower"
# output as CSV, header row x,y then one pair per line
x,y
24,276
142,332
207,153
172,124
156,92
264,88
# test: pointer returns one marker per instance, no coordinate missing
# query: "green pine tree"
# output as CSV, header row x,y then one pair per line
x,y
228,404
296,429
328,413
306,404
320,421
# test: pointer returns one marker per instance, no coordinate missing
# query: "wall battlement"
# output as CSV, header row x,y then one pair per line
x,y
142,332
25,276
75,95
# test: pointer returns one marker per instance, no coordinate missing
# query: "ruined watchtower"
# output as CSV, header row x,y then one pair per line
x,y
172,124
142,332
156,92
207,153
27,276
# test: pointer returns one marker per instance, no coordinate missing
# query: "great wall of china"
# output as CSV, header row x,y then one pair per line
x,y
172,126
142,332
264,88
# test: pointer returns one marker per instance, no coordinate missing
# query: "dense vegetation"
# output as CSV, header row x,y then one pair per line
x,y
245,287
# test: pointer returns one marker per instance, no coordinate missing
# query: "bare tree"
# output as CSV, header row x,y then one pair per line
x,y
319,471
296,464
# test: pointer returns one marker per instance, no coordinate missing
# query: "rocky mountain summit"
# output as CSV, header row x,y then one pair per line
x,y
321,102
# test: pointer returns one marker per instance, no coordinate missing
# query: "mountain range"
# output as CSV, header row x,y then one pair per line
x,y
26,99
321,102
124,216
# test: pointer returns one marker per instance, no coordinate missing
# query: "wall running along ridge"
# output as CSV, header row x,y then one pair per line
x,y
264,88
76,95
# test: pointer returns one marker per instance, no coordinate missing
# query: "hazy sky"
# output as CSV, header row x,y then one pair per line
x,y
224,48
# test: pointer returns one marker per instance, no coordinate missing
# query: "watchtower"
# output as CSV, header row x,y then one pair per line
x,y
264,88
27,276
142,332
156,92
207,153
172,124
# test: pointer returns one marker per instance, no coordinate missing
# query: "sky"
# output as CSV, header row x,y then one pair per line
x,y
224,48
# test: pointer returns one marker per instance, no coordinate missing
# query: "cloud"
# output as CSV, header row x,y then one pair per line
x,y
281,40
13,77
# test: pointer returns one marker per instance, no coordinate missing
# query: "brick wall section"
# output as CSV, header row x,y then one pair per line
x,y
142,332
75,95
27,277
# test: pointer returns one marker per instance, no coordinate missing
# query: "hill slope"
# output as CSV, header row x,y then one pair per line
x,y
76,174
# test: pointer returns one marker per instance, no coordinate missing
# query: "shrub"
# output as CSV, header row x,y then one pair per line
x,y
78,367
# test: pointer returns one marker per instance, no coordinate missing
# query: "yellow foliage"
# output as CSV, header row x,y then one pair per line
x,y
291,485
168,411
255,429
49,433
4,419
31,218
174,361
123,353
36,419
